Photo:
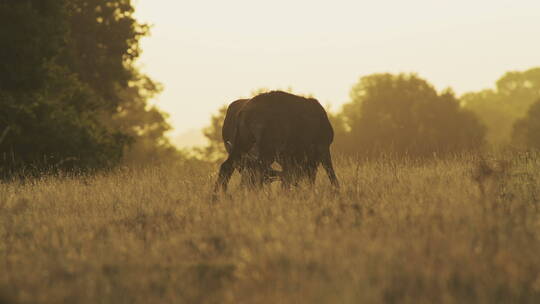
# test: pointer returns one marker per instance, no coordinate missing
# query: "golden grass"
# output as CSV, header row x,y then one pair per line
x,y
398,232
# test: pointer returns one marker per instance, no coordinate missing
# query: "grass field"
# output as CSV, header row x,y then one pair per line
x,y
454,230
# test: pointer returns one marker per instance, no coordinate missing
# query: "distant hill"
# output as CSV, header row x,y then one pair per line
x,y
190,138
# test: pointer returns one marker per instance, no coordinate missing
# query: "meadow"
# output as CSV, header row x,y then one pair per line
x,y
445,230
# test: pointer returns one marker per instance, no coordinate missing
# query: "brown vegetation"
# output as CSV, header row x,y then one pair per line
x,y
455,230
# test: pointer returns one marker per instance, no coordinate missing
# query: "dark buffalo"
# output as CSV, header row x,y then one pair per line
x,y
228,134
277,127
229,124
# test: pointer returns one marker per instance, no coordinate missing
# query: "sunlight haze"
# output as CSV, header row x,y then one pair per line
x,y
209,53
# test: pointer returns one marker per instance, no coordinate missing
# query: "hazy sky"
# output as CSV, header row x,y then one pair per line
x,y
209,53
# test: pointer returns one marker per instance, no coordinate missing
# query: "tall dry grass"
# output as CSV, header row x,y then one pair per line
x,y
459,230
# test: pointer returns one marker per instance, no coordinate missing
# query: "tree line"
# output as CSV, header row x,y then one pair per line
x,y
404,115
71,98
70,95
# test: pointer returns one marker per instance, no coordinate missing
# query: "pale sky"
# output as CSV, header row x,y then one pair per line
x,y
210,53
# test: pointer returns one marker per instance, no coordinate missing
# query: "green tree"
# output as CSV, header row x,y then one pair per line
x,y
499,108
404,114
215,150
145,124
104,44
526,131
45,110
341,132
70,96
31,34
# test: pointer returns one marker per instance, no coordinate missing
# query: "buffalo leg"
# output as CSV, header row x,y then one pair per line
x,y
329,168
265,154
255,171
225,172
292,173
287,174
312,174
252,175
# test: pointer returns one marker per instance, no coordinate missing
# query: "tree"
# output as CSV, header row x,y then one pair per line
x,y
145,125
404,115
499,109
70,96
215,150
526,131
342,130
31,34
46,112
104,44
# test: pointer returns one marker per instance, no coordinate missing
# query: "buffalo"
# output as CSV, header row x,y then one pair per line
x,y
280,127
228,134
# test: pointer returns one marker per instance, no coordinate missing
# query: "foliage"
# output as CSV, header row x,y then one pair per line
x,y
32,32
104,44
215,150
404,115
50,128
398,232
341,142
389,114
46,112
145,124
70,96
526,131
499,108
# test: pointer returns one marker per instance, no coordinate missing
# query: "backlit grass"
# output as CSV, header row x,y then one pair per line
x,y
457,230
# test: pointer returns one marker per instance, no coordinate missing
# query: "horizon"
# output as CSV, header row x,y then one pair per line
x,y
207,62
